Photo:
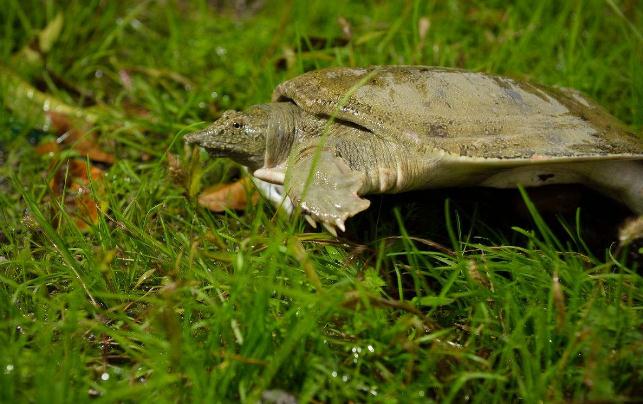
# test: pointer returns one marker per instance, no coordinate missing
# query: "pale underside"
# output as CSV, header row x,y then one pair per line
x,y
330,192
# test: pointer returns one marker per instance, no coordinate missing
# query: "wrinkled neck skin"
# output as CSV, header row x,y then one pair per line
x,y
280,132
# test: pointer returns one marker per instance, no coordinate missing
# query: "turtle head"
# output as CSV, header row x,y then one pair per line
x,y
240,136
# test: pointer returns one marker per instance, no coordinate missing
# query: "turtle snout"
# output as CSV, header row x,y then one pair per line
x,y
203,138
195,137
191,138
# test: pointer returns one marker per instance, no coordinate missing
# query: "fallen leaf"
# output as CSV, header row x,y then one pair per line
x,y
47,148
59,122
73,176
72,180
137,111
236,195
89,148
78,136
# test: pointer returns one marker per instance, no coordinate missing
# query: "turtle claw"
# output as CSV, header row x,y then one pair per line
x,y
311,221
329,227
340,225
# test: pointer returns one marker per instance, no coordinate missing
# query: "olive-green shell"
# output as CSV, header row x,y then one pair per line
x,y
475,115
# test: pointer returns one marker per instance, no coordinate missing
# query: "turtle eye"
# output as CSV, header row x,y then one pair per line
x,y
236,125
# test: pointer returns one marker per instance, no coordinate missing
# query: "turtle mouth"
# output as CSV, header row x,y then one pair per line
x,y
235,153
218,153
222,151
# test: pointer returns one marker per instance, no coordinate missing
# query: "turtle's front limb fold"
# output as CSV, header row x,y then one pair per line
x,y
275,194
325,188
620,179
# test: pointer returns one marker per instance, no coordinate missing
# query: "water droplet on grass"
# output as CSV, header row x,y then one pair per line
x,y
104,376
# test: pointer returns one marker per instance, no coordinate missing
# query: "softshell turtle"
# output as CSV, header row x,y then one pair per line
x,y
331,136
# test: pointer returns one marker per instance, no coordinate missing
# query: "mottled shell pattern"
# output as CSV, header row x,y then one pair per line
x,y
474,115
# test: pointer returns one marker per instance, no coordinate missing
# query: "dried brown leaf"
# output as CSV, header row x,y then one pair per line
x,y
47,148
235,196
90,149
77,135
72,179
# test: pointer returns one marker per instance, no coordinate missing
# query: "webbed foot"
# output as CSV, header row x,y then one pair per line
x,y
325,188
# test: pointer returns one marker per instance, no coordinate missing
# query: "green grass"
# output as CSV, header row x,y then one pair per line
x,y
162,300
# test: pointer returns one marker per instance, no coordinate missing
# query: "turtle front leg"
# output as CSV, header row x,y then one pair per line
x,y
325,188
